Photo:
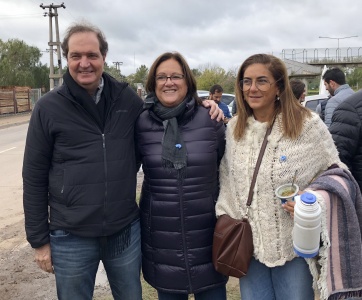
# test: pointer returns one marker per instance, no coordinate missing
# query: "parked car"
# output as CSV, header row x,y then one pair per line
x,y
230,106
312,101
226,98
203,94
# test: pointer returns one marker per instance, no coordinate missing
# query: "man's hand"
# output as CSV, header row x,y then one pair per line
x,y
43,258
215,111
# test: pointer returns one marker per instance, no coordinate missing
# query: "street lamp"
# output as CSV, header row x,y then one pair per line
x,y
338,38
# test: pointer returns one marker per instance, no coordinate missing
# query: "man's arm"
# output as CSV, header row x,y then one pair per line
x,y
36,164
345,128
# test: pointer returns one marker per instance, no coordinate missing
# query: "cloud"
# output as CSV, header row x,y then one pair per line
x,y
222,33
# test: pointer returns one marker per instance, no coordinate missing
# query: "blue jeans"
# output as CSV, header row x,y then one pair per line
x,y
76,259
290,281
218,293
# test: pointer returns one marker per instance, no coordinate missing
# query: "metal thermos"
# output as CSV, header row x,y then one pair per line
x,y
307,225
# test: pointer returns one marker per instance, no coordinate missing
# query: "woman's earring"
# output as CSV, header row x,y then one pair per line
x,y
278,98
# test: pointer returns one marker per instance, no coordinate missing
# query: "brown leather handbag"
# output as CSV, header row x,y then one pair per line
x,y
233,247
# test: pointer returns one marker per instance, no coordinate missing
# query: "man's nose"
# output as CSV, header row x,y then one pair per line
x,y
84,62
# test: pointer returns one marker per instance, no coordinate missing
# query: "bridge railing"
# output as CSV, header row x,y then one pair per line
x,y
324,55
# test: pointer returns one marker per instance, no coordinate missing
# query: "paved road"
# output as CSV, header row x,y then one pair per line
x,y
12,141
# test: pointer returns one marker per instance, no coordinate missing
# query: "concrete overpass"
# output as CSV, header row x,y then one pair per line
x,y
307,64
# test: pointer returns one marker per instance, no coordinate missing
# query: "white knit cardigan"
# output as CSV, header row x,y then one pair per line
x,y
312,152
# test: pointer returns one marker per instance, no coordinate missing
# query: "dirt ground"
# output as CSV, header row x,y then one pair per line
x,y
20,277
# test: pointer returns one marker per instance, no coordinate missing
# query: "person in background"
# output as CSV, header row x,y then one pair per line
x,y
298,88
346,130
215,94
180,148
79,175
300,144
335,83
321,108
234,108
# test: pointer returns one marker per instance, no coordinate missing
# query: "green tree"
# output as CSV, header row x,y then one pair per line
x,y
354,78
210,75
197,73
139,77
41,77
114,72
19,63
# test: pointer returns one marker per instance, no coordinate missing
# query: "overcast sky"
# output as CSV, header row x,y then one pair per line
x,y
209,32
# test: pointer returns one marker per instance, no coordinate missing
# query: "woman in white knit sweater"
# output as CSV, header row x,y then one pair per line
x,y
299,141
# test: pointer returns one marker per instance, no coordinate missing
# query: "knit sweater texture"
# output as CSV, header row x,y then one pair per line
x,y
311,153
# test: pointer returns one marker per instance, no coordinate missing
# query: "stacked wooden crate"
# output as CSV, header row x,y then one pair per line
x,y
14,99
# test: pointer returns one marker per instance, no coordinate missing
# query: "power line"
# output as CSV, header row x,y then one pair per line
x,y
22,16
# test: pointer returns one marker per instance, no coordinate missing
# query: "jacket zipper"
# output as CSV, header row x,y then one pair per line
x,y
106,177
104,151
184,237
105,166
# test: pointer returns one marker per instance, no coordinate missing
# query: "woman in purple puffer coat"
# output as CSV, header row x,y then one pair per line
x,y
180,148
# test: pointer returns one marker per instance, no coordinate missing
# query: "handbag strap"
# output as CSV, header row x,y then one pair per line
x,y
257,166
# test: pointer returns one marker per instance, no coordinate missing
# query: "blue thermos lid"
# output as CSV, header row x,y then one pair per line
x,y
308,198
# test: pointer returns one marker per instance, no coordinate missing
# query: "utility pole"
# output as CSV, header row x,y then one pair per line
x,y
118,64
53,12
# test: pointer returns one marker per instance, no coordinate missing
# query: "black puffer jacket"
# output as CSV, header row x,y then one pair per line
x,y
346,129
86,175
178,217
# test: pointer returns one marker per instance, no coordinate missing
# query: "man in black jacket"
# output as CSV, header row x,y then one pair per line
x,y
79,175
80,162
346,129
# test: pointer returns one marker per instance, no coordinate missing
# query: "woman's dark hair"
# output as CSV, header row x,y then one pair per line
x,y
80,28
298,87
189,77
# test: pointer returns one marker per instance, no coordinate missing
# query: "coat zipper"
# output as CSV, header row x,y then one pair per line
x,y
104,151
184,237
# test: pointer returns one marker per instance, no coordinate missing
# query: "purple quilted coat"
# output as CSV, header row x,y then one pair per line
x,y
178,216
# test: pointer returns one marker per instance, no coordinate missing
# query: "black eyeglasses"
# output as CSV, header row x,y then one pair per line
x,y
262,84
173,78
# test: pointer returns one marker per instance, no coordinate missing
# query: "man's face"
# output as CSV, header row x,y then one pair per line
x,y
85,61
330,87
216,96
